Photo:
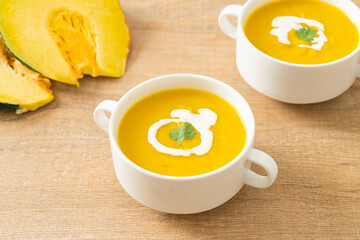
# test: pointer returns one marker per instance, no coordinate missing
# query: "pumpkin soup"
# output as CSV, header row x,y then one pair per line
x,y
302,31
181,132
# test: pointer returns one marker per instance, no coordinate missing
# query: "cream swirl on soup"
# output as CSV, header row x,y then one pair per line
x,y
284,24
299,28
202,122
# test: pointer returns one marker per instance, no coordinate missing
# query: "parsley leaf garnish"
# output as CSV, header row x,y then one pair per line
x,y
306,34
182,132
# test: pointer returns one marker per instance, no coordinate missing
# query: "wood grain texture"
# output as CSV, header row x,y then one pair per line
x,y
56,174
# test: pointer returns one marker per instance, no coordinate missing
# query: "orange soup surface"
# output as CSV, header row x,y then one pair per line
x,y
229,133
302,31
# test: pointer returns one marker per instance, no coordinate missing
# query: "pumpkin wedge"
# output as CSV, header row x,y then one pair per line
x,y
65,39
21,89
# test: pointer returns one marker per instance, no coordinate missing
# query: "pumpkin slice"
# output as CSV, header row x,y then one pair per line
x,y
21,89
65,39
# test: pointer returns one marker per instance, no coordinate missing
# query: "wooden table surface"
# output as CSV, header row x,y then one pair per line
x,y
57,179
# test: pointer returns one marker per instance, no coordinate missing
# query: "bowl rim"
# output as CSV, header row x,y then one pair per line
x,y
113,139
241,34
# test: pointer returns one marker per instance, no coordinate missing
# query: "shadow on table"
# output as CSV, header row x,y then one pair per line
x,y
342,112
233,218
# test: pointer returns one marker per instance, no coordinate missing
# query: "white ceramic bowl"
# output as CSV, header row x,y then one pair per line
x,y
185,194
289,82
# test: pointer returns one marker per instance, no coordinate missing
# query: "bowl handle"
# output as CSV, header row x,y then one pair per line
x,y
266,162
223,20
99,114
